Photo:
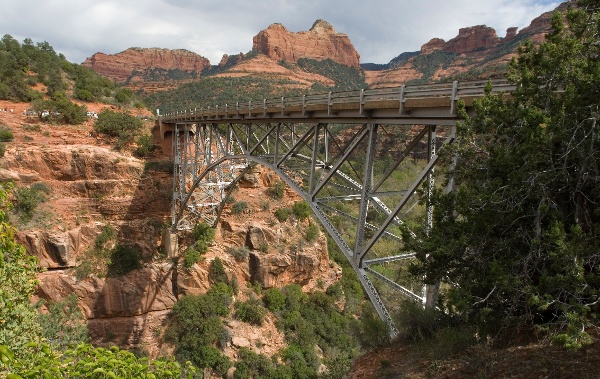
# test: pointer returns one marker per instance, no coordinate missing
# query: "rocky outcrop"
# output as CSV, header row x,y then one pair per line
x,y
121,66
469,39
320,42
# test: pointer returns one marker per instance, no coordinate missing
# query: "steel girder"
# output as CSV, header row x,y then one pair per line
x,y
355,177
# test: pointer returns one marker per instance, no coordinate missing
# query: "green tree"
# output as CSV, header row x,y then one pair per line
x,y
18,318
120,125
64,324
519,235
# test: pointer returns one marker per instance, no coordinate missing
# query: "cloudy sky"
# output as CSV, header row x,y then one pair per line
x,y
379,29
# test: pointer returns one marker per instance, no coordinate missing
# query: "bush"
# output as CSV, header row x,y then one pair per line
x,y
27,199
311,233
144,146
204,232
277,191
124,259
64,324
251,311
106,235
2,149
216,272
282,214
191,256
239,207
6,134
240,253
301,209
120,125
274,299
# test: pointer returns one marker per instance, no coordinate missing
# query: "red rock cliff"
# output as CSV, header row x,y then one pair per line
x,y
120,66
469,39
320,42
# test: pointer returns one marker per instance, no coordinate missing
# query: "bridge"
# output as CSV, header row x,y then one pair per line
x,y
363,160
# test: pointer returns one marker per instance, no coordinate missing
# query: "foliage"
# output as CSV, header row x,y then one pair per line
x,y
26,199
219,90
282,214
301,210
124,259
216,272
6,135
428,64
346,78
519,235
116,124
251,311
145,146
196,327
18,317
277,190
191,256
204,232
64,324
274,299
2,149
239,207
86,361
311,233
240,253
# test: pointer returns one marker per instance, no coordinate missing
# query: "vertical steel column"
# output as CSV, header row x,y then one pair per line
x,y
365,195
315,157
430,292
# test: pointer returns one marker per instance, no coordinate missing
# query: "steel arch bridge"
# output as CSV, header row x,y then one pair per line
x,y
359,159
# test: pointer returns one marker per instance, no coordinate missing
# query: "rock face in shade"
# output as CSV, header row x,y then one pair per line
x,y
320,42
121,66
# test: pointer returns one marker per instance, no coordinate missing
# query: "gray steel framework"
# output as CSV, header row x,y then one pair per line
x,y
358,159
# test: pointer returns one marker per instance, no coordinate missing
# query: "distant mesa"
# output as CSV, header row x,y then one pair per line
x,y
320,42
473,38
121,66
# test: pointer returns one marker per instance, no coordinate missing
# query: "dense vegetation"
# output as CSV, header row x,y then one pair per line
x,y
518,236
36,73
346,78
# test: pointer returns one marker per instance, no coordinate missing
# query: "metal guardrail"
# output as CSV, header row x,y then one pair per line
x,y
380,98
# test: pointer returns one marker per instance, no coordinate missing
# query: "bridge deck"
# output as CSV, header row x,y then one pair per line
x,y
418,104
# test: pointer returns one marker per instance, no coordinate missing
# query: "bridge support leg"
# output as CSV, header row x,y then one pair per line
x,y
430,291
170,243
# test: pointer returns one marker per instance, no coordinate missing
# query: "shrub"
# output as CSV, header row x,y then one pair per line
x,y
6,134
240,253
216,272
144,146
277,191
282,214
191,256
120,125
124,259
251,311
27,199
64,324
204,232
274,299
2,149
311,233
239,207
106,234
301,209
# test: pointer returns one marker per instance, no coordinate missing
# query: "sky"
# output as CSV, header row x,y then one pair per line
x,y
379,29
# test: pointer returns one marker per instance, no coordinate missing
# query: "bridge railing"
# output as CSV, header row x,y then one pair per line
x,y
453,90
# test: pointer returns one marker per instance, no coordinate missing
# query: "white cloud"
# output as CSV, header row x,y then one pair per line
x,y
379,29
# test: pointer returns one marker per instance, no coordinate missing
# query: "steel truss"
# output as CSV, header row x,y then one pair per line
x,y
362,182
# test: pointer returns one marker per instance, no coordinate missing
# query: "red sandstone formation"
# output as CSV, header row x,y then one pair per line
x,y
469,39
320,42
120,66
